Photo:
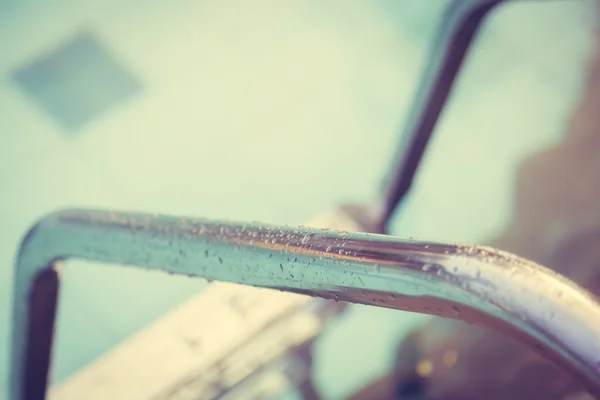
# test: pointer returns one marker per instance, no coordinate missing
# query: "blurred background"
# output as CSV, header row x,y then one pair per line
x,y
265,111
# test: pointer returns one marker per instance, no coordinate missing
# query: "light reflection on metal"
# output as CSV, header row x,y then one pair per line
x,y
475,284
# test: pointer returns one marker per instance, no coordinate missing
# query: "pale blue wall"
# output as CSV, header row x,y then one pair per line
x,y
272,111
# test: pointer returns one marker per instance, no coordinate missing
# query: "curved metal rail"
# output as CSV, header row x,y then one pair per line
x,y
453,40
475,284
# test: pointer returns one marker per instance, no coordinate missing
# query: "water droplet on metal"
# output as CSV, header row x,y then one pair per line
x,y
456,310
306,238
341,251
427,267
328,248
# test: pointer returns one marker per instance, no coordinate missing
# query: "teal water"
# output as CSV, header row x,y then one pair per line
x,y
273,112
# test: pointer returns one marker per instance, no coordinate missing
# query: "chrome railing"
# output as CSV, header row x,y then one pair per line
x,y
476,284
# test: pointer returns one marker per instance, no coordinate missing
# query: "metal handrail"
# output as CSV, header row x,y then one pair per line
x,y
536,306
452,42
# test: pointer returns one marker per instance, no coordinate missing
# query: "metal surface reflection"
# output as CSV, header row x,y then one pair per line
x,y
475,284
